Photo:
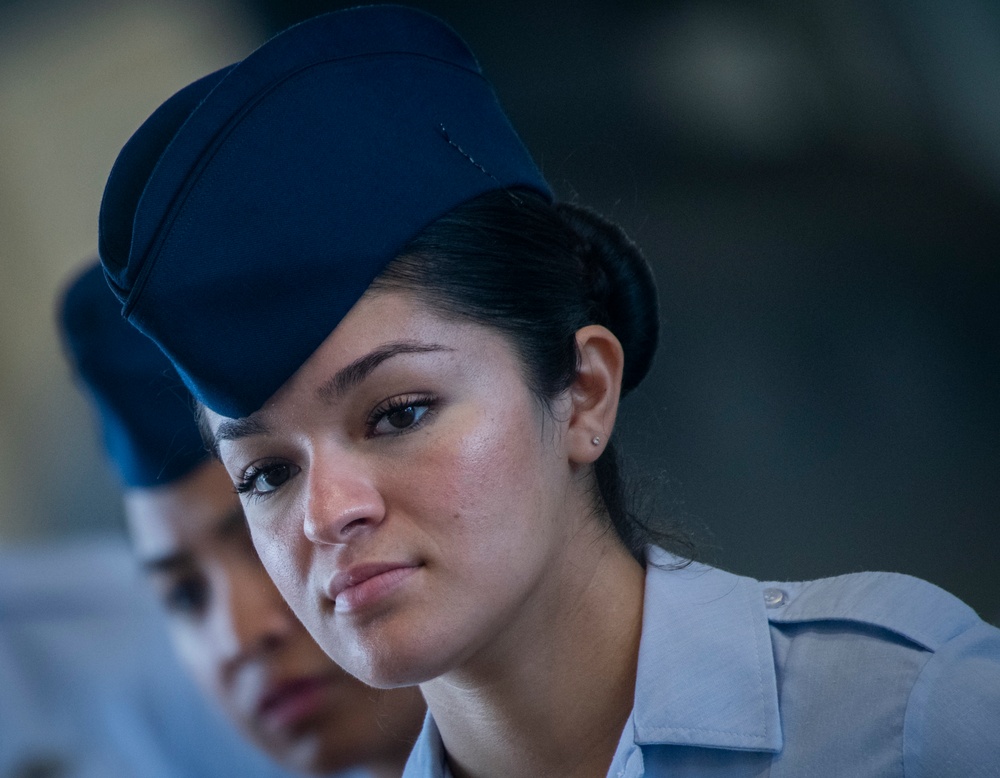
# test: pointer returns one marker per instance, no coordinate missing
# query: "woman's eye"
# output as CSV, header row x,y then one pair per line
x,y
400,419
270,479
263,480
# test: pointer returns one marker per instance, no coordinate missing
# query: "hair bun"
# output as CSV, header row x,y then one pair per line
x,y
622,288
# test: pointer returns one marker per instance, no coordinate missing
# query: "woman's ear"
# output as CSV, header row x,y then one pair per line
x,y
595,393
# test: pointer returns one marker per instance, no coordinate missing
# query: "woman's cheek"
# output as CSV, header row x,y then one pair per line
x,y
275,553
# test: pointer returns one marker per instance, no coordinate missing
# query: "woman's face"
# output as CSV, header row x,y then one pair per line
x,y
242,643
409,495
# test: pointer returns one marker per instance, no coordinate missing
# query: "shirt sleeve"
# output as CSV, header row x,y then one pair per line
x,y
952,726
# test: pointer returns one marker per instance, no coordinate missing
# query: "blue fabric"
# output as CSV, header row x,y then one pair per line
x,y
870,674
244,219
145,412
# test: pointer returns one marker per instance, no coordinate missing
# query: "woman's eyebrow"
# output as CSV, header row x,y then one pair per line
x,y
344,379
359,369
231,429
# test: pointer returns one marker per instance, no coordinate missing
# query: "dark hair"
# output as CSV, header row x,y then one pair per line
x,y
537,272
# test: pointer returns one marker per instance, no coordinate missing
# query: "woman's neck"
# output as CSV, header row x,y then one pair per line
x,y
554,692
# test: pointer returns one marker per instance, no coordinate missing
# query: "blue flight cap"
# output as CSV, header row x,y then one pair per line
x,y
146,414
250,212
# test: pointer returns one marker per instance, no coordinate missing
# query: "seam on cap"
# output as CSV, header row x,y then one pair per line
x,y
218,140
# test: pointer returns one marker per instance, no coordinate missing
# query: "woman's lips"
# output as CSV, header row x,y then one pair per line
x,y
364,585
289,703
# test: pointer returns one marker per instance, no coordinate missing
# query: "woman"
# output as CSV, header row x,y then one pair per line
x,y
229,625
409,360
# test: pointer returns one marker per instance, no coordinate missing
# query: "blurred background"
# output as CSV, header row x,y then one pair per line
x,y
816,183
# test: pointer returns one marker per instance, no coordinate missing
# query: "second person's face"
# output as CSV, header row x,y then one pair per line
x,y
243,644
407,492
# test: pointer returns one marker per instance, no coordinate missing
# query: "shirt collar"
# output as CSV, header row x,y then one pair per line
x,y
706,672
427,760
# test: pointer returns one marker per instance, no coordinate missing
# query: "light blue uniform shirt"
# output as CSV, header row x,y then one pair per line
x,y
870,674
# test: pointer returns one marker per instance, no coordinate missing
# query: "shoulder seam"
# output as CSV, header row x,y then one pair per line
x,y
912,608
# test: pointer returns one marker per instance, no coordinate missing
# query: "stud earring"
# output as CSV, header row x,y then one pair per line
x,y
596,440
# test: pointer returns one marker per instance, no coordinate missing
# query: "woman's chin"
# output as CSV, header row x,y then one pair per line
x,y
398,663
395,672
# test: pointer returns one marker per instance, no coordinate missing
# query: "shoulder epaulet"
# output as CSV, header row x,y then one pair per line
x,y
910,607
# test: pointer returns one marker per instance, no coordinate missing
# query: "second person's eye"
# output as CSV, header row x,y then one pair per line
x,y
186,597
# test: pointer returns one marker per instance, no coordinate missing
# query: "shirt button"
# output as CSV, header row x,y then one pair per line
x,y
774,598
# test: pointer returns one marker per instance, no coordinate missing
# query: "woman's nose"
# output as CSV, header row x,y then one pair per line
x,y
343,501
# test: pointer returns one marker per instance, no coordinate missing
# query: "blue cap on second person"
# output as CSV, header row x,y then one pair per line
x,y
146,413
251,211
